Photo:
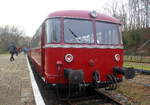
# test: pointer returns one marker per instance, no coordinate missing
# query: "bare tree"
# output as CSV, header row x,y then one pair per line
x,y
118,10
133,14
10,34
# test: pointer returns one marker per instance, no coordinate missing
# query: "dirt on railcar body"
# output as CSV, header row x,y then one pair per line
x,y
137,89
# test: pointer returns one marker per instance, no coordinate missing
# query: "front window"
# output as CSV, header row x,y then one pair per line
x,y
81,31
78,31
53,30
107,33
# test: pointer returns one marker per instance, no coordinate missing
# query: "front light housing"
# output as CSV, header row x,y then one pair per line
x,y
117,57
68,58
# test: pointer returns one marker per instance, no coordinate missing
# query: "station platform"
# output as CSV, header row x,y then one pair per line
x,y
15,85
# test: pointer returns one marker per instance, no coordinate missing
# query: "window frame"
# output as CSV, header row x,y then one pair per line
x,y
119,36
92,23
45,33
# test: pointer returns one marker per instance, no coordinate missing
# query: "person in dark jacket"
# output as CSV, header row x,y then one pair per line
x,y
12,49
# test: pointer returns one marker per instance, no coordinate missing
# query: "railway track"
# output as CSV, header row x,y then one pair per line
x,y
100,97
143,84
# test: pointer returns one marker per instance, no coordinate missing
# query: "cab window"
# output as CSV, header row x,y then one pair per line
x,y
52,29
107,33
78,31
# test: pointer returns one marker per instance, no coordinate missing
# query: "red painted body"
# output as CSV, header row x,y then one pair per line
x,y
103,62
88,59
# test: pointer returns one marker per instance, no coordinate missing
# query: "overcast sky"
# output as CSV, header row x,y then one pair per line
x,y
29,14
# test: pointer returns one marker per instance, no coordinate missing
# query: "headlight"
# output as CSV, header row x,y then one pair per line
x,y
117,57
68,58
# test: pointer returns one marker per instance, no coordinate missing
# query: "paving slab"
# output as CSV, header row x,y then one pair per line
x,y
15,85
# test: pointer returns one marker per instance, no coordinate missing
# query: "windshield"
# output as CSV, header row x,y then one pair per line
x,y
78,31
81,31
107,33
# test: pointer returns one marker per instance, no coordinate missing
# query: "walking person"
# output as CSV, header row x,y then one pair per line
x,y
12,49
25,50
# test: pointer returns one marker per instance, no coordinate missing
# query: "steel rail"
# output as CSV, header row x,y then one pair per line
x,y
109,96
100,96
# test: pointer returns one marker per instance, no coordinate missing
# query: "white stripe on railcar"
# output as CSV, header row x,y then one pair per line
x,y
83,46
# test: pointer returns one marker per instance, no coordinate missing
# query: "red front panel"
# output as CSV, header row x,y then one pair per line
x,y
103,59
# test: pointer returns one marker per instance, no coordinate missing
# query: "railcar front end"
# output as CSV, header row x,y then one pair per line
x,y
81,48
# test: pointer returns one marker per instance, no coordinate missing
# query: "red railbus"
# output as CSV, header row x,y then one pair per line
x,y
80,48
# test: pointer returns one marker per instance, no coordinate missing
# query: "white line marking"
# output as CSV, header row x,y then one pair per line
x,y
37,95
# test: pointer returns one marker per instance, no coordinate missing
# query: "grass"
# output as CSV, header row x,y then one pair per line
x,y
137,65
138,62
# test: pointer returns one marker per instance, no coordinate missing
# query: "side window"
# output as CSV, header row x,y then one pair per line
x,y
53,30
120,31
36,42
44,32
39,37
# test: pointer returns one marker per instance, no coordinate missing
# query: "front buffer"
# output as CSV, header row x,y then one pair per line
x,y
129,73
74,76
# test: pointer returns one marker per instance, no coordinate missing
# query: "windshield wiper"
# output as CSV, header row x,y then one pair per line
x,y
72,33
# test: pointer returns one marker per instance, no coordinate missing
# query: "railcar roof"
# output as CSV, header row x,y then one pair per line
x,y
83,14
